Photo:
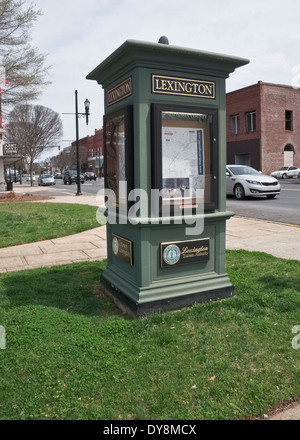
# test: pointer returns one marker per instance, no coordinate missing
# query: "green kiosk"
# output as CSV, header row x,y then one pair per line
x,y
164,161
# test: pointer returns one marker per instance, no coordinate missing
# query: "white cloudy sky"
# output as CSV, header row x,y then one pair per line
x,y
78,35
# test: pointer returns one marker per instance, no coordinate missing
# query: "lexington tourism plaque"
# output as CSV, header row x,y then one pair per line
x,y
184,252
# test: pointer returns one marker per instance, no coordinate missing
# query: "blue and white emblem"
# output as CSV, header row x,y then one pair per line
x,y
171,254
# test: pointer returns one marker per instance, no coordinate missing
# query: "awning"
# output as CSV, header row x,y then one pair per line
x,y
10,159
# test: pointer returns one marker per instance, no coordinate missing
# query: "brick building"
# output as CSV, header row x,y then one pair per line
x,y
263,126
91,152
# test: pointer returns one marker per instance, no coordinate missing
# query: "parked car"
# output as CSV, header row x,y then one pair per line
x,y
46,179
243,181
286,172
57,176
70,176
90,176
26,177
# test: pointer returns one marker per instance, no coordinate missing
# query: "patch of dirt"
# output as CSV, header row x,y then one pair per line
x,y
11,196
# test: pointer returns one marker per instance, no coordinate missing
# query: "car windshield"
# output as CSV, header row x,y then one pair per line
x,y
46,176
283,168
243,170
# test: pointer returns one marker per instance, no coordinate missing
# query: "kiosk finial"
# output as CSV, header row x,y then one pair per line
x,y
163,40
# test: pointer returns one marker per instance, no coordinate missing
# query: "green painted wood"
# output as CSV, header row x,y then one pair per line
x,y
145,287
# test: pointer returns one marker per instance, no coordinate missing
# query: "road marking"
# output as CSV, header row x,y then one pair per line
x,y
288,224
285,189
64,191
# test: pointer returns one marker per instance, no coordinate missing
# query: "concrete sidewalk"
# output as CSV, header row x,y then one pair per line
x,y
241,233
280,240
85,246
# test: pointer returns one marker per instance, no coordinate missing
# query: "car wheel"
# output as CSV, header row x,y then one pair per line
x,y
284,176
239,192
299,175
65,182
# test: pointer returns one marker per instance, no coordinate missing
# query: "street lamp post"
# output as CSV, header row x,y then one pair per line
x,y
87,108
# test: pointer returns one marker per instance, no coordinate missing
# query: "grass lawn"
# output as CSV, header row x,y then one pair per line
x,y
27,222
71,354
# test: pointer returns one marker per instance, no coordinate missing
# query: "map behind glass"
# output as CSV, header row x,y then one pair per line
x,y
183,158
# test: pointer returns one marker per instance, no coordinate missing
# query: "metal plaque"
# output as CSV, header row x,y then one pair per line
x,y
184,252
121,91
169,85
122,248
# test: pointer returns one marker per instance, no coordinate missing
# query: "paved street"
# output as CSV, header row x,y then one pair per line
x,y
285,208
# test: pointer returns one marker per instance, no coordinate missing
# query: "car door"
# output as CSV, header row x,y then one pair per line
x,y
292,171
229,182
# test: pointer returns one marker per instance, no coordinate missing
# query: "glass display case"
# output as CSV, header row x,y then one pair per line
x,y
184,151
118,155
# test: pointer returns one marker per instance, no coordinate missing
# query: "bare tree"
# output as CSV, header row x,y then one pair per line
x,y
63,160
24,67
33,129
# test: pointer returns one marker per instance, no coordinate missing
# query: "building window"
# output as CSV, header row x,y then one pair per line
x,y
235,124
251,122
288,120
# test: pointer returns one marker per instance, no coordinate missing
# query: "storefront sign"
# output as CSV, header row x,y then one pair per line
x,y
184,252
10,148
183,86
